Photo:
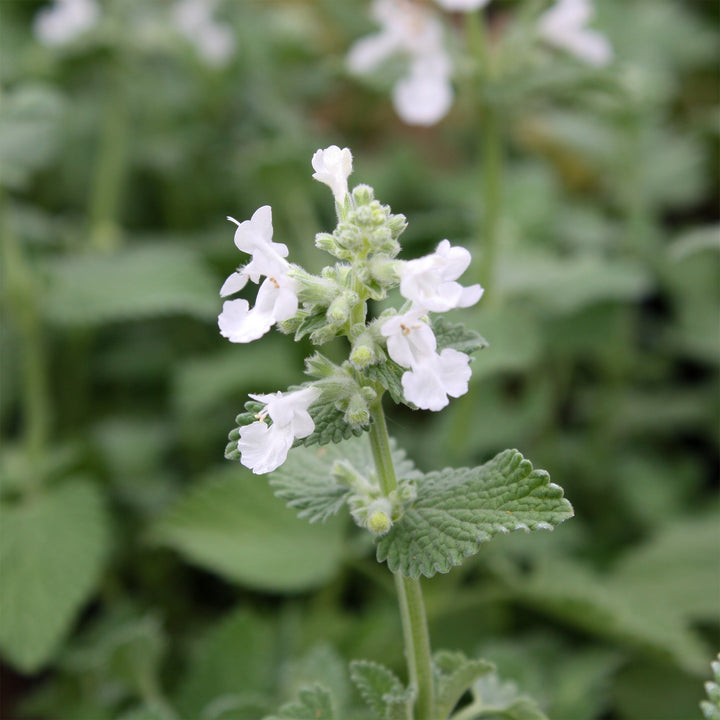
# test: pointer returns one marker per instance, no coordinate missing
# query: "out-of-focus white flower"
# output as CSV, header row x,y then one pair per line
x,y
63,21
425,95
430,381
432,376
429,281
277,296
264,448
462,5
333,167
214,41
564,26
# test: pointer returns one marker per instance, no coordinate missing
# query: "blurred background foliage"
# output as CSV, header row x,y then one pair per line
x,y
145,577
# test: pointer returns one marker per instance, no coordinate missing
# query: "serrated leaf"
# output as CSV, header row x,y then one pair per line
x,y
458,509
388,374
230,523
503,700
310,324
456,336
52,549
315,704
306,483
382,690
330,425
134,282
454,674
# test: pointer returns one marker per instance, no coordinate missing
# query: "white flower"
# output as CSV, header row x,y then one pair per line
x,y
213,41
409,339
432,377
264,448
462,5
277,296
429,281
425,94
65,20
276,301
333,166
563,25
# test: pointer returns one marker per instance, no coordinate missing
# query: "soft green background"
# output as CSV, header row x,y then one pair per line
x,y
143,576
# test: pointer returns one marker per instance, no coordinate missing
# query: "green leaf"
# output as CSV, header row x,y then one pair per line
x,y
315,704
456,336
388,374
503,699
306,483
458,509
711,707
330,425
236,657
29,132
52,549
134,282
382,690
231,524
454,674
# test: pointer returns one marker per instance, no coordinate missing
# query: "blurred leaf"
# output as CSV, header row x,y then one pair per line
x,y
230,523
315,704
711,706
236,658
52,548
458,509
30,117
134,282
454,674
503,699
382,690
566,285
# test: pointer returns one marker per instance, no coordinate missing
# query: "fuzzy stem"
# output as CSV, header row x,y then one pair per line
x,y
410,599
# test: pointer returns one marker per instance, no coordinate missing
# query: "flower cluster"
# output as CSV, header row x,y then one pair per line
x,y
424,94
65,20
335,303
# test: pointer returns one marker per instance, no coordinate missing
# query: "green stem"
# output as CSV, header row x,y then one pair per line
x,y
110,169
492,167
22,298
410,599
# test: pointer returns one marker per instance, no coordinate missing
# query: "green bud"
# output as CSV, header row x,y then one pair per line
x,y
363,195
357,413
397,224
362,356
341,307
379,523
322,335
319,366
345,473
325,241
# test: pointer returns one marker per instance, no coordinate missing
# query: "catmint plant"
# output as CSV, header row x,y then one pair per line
x,y
422,524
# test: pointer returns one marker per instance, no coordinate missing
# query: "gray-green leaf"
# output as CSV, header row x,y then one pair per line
x,y
382,690
456,336
458,509
454,674
315,704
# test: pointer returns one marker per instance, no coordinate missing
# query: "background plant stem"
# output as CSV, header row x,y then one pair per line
x,y
412,607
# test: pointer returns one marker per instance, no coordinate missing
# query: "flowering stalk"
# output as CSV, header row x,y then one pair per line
x,y
410,598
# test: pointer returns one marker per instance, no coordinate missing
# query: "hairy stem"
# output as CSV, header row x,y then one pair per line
x,y
412,607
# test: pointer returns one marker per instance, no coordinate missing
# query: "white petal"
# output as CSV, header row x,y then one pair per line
x,y
409,339
369,52
333,166
422,100
240,325
254,232
462,5
470,295
262,448
65,20
233,284
422,387
454,370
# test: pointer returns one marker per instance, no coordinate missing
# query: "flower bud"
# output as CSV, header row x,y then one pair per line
x,y
357,413
363,195
397,224
362,356
379,523
341,307
325,241
319,366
